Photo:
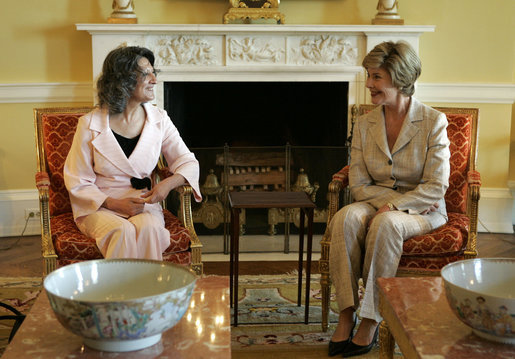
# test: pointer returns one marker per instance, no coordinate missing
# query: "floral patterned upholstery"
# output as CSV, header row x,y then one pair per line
x,y
456,240
61,238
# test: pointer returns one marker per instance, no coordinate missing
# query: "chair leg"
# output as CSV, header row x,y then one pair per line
x,y
325,288
325,280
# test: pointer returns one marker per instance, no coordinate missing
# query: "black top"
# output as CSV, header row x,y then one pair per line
x,y
127,144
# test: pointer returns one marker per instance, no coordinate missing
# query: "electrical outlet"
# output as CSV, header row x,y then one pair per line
x,y
32,213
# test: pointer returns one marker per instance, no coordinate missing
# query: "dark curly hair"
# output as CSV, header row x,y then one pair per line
x,y
119,77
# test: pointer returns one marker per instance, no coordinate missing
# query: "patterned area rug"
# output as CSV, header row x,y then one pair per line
x,y
20,293
270,320
273,299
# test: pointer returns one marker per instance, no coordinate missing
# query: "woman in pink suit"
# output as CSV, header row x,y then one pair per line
x,y
398,176
115,149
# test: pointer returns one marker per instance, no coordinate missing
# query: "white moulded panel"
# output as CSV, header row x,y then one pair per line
x,y
323,49
255,50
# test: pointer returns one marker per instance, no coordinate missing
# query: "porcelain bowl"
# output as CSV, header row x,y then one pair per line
x,y
120,305
481,292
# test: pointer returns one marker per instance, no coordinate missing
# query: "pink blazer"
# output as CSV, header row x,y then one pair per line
x,y
97,168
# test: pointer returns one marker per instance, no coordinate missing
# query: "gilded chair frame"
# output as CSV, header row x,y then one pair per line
x,y
337,186
47,247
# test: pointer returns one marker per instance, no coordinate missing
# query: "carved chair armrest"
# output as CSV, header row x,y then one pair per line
x,y
474,185
342,176
185,214
186,217
47,246
339,182
474,179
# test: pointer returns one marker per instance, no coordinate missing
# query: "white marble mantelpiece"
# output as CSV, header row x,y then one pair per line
x,y
253,52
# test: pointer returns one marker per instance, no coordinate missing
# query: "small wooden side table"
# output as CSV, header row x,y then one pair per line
x,y
240,200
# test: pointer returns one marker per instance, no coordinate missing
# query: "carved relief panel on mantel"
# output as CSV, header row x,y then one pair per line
x,y
293,50
255,50
324,49
184,50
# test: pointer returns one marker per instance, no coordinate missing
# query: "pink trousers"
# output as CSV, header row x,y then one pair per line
x,y
140,236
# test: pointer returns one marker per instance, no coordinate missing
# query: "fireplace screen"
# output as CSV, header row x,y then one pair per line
x,y
261,136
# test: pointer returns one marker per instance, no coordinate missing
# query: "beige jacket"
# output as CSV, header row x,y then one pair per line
x,y
415,174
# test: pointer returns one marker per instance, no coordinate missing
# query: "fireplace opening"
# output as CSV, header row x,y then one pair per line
x,y
211,114
304,123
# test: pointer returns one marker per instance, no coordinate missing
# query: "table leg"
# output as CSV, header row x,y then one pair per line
x,y
286,230
231,259
236,230
301,256
308,261
386,341
227,228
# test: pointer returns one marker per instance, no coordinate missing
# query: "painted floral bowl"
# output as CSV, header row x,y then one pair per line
x,y
120,305
481,292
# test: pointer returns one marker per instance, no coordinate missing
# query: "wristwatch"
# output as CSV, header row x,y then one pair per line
x,y
391,206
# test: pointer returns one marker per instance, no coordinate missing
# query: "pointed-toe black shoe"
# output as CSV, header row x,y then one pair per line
x,y
354,349
336,348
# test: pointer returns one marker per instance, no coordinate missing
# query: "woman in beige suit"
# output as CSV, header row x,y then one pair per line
x,y
115,149
399,174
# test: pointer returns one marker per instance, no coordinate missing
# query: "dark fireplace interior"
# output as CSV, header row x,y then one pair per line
x,y
211,114
306,119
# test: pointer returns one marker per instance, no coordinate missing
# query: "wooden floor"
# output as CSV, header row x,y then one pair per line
x,y
23,258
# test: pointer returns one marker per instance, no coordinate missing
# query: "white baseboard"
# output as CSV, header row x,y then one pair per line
x,y
496,211
496,208
511,185
12,212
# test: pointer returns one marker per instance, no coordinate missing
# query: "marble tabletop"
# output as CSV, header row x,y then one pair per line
x,y
419,317
203,332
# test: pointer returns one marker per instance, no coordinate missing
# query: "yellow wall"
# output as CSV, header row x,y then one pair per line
x,y
469,46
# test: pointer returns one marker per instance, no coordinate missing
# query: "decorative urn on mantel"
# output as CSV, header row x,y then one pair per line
x,y
387,13
123,12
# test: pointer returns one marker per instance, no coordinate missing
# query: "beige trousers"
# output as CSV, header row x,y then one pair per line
x,y
140,236
357,253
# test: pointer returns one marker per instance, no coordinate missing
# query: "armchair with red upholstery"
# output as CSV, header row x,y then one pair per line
x,y
62,242
456,240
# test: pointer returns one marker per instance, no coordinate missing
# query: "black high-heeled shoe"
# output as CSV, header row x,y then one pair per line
x,y
336,348
353,349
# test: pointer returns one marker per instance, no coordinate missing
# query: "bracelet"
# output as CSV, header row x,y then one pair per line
x,y
391,206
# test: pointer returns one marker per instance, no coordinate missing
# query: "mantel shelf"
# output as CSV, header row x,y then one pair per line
x,y
217,29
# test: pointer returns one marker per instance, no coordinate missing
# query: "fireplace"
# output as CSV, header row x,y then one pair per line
x,y
254,68
262,136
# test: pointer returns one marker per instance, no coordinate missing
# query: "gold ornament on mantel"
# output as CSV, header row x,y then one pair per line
x,y
387,13
123,12
254,9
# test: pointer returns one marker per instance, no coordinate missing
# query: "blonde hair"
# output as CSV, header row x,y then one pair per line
x,y
401,62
